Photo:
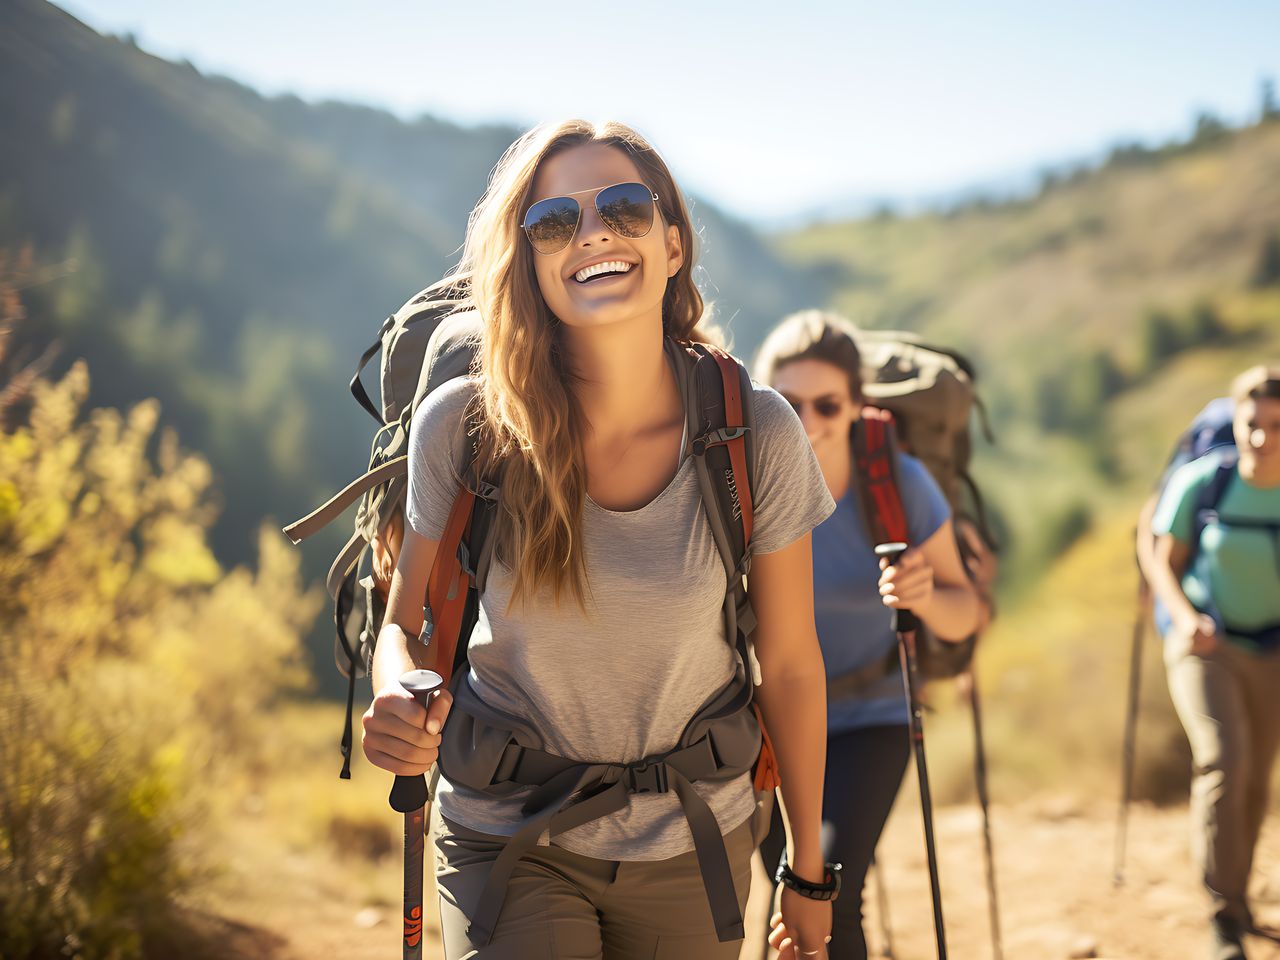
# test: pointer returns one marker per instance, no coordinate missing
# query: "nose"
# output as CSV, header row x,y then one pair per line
x,y
591,228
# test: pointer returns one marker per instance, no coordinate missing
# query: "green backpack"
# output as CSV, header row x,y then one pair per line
x,y
920,399
423,344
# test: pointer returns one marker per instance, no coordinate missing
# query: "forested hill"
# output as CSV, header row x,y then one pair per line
x,y
1102,312
232,254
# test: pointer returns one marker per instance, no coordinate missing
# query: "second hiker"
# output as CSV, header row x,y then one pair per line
x,y
811,358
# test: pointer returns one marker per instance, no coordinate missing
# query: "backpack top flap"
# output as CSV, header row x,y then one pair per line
x,y
931,394
404,344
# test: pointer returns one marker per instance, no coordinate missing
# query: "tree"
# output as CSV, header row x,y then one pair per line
x,y
1158,339
1267,271
1270,108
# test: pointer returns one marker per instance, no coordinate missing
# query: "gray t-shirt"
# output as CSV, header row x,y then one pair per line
x,y
621,682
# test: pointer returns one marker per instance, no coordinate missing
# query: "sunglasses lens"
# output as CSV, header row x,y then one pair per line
x,y
550,224
827,409
626,209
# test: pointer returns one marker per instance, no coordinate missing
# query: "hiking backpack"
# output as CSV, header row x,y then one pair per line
x,y
921,397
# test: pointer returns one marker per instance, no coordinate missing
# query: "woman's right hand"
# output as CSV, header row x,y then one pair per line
x,y
402,736
1196,635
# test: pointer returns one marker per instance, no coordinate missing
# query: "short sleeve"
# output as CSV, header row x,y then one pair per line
x,y
437,438
1175,513
790,496
923,501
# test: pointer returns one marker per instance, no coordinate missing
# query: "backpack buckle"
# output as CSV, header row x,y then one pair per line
x,y
647,777
716,438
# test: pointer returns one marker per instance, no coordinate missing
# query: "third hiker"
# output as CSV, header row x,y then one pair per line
x,y
1217,571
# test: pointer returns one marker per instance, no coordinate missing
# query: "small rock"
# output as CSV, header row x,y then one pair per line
x,y
369,917
1084,948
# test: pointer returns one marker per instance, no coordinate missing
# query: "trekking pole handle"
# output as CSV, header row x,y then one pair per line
x,y
410,793
903,620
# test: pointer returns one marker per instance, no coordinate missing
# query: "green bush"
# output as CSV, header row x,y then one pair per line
x,y
135,676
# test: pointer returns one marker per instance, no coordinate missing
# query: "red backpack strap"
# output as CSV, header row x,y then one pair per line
x,y
735,423
875,464
446,587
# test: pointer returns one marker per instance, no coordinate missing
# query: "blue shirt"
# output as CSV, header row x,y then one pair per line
x,y
854,626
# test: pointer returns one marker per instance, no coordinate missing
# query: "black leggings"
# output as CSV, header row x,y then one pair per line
x,y
864,770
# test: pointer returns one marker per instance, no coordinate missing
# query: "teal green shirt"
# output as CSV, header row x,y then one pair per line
x,y
1236,569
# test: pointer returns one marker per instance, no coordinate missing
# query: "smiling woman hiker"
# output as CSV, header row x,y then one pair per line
x,y
812,360
1217,572
597,793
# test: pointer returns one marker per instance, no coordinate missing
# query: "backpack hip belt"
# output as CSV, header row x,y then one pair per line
x,y
482,750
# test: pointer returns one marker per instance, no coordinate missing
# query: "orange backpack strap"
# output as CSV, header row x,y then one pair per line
x,y
446,589
734,423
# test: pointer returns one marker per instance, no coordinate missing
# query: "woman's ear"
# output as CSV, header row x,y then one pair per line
x,y
675,251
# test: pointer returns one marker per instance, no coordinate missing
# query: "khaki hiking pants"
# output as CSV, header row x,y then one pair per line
x,y
569,907
1229,704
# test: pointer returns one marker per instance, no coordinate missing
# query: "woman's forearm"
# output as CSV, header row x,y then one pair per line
x,y
952,612
794,704
394,655
1167,584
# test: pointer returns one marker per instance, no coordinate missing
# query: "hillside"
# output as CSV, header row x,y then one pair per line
x,y
1102,315
232,255
1077,305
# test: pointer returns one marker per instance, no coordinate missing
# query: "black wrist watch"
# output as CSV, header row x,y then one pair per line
x,y
829,889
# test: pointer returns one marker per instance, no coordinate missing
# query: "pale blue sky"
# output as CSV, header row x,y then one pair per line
x,y
770,109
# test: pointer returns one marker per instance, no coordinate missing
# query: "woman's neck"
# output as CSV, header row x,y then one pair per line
x,y
1252,473
623,380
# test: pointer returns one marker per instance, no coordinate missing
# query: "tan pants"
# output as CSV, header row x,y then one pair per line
x,y
569,907
1229,704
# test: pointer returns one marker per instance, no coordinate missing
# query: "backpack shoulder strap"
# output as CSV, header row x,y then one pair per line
x,y
1210,496
875,469
719,405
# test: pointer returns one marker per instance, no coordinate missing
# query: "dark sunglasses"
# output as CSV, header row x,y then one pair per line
x,y
828,408
625,208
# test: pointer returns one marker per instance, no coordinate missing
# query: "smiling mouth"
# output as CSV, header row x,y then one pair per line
x,y
610,268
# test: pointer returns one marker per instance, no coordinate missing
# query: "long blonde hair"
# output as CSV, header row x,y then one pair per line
x,y
531,424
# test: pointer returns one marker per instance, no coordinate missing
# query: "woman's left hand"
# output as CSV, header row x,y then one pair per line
x,y
908,583
801,929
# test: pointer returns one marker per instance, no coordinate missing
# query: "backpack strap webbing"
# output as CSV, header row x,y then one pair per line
x,y
336,505
735,430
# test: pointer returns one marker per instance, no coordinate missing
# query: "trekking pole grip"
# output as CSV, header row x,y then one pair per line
x,y
903,620
410,793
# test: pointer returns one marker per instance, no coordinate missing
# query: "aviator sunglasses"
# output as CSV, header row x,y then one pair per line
x,y
828,408
625,208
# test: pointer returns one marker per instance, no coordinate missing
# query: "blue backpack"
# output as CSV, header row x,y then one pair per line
x,y
1209,435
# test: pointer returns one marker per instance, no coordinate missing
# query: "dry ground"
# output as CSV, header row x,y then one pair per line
x,y
1054,860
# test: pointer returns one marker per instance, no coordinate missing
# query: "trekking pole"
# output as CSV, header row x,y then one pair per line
x,y
904,625
1130,730
984,801
882,908
409,796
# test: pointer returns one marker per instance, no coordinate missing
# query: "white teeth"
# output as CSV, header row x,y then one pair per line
x,y
611,266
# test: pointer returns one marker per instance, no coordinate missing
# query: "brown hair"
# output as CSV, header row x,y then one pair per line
x,y
531,421
812,335
1256,383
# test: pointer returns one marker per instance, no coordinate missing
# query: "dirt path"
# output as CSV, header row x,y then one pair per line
x,y
1054,861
